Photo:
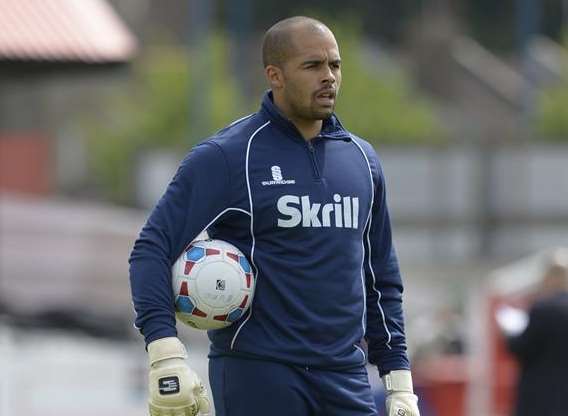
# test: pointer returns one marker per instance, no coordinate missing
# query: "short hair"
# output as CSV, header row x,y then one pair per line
x,y
277,43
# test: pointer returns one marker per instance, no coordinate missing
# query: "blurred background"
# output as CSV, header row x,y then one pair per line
x,y
465,101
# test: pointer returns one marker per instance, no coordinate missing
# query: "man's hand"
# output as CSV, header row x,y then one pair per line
x,y
174,389
400,400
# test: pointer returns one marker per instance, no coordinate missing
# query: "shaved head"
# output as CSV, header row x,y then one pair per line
x,y
278,43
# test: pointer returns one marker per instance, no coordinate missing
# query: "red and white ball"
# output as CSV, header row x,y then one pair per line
x,y
213,284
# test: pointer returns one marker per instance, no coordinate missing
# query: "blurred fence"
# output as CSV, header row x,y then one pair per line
x,y
456,204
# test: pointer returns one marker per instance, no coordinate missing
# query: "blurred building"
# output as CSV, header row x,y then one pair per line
x,y
53,56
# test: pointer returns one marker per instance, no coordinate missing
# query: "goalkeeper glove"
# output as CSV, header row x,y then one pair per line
x,y
174,389
400,400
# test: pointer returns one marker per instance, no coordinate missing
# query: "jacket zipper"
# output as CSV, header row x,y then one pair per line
x,y
312,152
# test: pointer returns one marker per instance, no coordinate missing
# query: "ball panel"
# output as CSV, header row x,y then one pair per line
x,y
221,318
244,302
183,291
198,312
249,279
195,253
233,256
234,315
244,264
184,304
188,266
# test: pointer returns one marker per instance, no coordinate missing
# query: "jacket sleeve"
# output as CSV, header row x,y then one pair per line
x,y
385,323
197,194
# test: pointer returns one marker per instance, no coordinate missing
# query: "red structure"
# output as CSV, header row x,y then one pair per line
x,y
25,164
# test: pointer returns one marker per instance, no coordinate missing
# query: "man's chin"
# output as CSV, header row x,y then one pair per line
x,y
323,114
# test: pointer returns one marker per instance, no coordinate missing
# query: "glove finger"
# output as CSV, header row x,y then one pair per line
x,y
155,412
192,409
200,393
204,404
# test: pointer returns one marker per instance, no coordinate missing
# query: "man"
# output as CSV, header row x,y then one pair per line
x,y
304,199
541,348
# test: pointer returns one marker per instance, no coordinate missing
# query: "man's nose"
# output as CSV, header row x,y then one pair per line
x,y
329,76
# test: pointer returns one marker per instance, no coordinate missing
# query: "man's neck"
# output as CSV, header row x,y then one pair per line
x,y
308,129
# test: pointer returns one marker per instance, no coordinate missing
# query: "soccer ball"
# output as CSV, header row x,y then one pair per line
x,y
213,284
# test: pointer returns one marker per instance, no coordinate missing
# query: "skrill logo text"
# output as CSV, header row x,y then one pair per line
x,y
298,210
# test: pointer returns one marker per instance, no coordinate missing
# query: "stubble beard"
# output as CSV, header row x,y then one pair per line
x,y
311,112
323,114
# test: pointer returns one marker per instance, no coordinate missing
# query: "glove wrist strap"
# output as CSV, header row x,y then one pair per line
x,y
398,380
166,348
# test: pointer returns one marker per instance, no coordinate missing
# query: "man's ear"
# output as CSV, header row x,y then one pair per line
x,y
274,76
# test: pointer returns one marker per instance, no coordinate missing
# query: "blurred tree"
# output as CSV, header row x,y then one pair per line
x,y
152,112
379,102
552,109
553,115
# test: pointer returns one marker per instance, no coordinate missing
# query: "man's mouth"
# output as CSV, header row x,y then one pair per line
x,y
326,96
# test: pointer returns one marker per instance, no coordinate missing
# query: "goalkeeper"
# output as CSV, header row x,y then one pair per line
x,y
305,200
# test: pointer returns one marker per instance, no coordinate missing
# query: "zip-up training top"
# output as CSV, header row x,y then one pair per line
x,y
312,219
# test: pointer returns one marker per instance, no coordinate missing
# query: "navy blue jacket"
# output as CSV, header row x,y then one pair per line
x,y
311,216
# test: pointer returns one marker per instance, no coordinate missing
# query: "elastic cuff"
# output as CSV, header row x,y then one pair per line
x,y
166,348
398,380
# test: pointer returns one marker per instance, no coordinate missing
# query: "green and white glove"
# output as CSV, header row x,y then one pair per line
x,y
400,400
174,388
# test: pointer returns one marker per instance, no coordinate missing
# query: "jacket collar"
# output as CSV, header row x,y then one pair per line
x,y
331,128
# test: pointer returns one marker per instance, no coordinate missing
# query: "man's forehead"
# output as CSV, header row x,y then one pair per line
x,y
315,46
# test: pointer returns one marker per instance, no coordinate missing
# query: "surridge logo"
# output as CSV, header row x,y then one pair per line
x,y
277,178
299,210
276,173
